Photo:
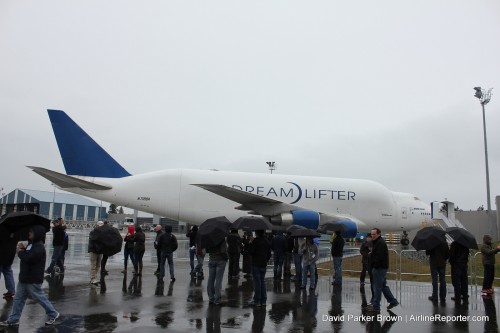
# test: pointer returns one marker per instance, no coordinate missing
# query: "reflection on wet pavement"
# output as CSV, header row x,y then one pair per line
x,y
126,302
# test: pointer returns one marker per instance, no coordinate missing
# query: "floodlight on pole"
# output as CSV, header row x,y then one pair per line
x,y
272,166
484,97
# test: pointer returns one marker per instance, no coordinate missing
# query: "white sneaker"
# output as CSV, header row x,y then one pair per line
x,y
52,321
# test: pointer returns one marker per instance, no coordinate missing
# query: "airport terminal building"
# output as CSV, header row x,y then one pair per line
x,y
52,205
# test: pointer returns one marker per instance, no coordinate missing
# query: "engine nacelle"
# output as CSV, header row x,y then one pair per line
x,y
352,229
304,218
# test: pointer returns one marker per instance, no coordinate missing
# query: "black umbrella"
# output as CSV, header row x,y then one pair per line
x,y
299,232
463,237
108,240
213,231
428,238
332,226
294,227
251,223
18,221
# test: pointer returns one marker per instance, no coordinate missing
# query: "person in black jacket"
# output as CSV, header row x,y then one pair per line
x,y
168,245
191,234
139,249
8,244
379,264
159,232
58,243
260,250
337,252
233,250
32,264
437,259
459,259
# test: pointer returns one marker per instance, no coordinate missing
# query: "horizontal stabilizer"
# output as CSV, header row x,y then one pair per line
x,y
65,181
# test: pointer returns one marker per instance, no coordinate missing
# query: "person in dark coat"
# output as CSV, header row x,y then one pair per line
x,y
278,246
488,251
287,265
233,250
104,259
58,243
260,250
168,245
247,258
437,260
459,260
365,251
8,243
95,252
139,249
191,234
337,252
379,264
159,232
31,273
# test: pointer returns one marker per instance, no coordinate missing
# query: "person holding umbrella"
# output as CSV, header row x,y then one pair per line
x,y
459,260
310,255
32,259
260,250
216,266
8,244
437,260
95,251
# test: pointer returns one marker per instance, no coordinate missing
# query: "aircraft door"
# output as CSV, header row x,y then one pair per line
x,y
404,213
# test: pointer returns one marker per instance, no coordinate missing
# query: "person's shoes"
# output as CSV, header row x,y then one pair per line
x,y
433,299
8,294
392,305
370,308
484,291
220,303
157,273
124,271
490,291
172,279
262,305
47,271
361,284
7,323
52,321
252,303
456,299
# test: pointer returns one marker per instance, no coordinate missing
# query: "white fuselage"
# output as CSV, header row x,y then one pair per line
x,y
171,193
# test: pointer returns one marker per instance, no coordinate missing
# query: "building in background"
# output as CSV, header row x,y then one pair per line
x,y
70,207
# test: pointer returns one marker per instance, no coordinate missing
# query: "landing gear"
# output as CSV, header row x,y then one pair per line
x,y
404,239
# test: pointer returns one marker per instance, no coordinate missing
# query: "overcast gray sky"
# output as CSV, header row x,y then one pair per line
x,y
357,89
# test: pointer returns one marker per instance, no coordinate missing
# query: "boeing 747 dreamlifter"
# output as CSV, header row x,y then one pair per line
x,y
195,195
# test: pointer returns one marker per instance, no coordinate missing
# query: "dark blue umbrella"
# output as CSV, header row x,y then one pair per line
x,y
463,237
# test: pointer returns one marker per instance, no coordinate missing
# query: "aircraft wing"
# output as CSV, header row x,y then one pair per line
x,y
65,181
260,205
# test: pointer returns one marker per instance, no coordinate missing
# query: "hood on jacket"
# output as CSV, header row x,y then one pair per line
x,y
131,229
168,228
487,239
38,233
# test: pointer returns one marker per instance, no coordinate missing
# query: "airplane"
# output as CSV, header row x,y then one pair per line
x,y
193,196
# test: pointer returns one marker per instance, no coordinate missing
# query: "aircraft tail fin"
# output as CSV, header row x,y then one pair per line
x,y
81,155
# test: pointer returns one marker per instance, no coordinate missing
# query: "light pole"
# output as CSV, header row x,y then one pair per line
x,y
272,166
484,97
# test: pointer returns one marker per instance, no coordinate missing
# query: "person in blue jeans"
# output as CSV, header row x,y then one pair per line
x,y
379,262
216,266
31,273
7,253
260,250
309,252
168,245
337,252
191,234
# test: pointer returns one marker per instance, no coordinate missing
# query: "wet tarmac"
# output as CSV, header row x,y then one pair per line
x,y
124,303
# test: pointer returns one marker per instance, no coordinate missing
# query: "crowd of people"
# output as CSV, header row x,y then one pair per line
x,y
256,249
